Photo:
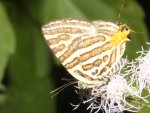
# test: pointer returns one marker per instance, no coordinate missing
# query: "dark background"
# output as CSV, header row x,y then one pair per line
x,y
145,5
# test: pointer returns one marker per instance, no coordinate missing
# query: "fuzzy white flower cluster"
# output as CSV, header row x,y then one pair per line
x,y
112,97
124,90
140,71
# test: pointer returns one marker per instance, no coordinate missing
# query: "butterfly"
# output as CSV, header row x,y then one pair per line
x,y
90,51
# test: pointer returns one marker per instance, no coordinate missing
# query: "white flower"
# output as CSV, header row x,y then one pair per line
x,y
112,97
140,70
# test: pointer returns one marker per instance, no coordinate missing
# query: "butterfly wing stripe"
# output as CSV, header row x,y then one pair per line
x,y
72,48
59,38
97,62
109,64
59,48
106,32
89,41
106,24
108,28
79,73
112,57
64,30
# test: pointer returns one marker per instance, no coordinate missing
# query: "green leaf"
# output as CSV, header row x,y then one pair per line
x,y
29,80
7,38
144,110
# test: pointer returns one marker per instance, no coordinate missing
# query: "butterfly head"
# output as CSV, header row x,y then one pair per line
x,y
121,35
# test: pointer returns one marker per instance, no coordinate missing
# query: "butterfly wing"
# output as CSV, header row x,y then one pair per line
x,y
84,48
64,38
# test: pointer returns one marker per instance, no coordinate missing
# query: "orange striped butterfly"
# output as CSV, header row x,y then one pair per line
x,y
90,51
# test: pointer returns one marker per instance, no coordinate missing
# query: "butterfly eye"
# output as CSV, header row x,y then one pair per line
x,y
126,29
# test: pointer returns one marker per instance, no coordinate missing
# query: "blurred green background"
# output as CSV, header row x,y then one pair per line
x,y
29,71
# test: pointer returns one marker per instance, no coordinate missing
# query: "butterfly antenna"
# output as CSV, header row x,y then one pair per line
x,y
122,5
58,90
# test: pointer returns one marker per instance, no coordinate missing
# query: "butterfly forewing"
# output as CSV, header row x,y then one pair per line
x,y
84,48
